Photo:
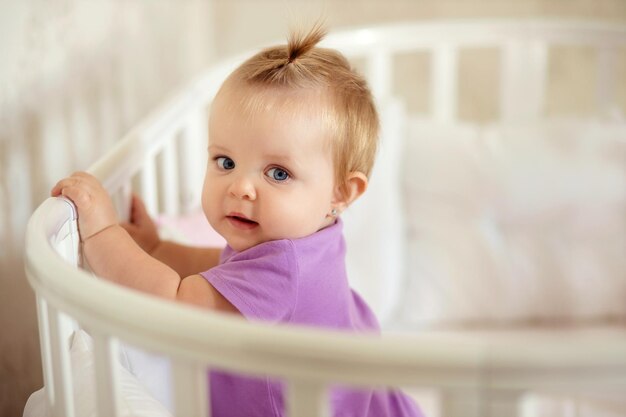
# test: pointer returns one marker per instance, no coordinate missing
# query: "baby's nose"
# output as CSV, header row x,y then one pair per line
x,y
243,188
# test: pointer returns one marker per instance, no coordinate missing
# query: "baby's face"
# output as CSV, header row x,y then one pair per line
x,y
270,174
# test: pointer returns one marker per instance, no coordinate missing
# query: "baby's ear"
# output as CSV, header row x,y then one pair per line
x,y
355,186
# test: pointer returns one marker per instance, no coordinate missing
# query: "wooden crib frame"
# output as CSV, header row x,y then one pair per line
x,y
470,372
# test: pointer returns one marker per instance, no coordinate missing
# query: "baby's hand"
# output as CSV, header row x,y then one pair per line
x,y
95,208
141,227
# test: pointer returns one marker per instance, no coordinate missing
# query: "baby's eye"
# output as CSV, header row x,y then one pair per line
x,y
225,162
277,174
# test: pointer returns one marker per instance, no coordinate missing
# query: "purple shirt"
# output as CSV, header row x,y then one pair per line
x,y
299,281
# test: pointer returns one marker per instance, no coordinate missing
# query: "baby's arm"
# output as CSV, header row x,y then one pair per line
x,y
186,260
112,254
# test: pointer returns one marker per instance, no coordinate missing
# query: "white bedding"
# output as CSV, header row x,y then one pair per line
x,y
515,225
150,373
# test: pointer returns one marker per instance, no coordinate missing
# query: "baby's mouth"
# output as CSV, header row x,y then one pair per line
x,y
241,222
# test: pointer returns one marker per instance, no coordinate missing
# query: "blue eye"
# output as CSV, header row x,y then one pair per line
x,y
277,174
225,163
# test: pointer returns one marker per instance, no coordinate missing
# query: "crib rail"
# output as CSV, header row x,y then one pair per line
x,y
310,358
524,51
148,160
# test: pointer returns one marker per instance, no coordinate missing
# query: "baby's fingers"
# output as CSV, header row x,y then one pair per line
x,y
75,179
87,178
80,188
65,182
79,195
138,213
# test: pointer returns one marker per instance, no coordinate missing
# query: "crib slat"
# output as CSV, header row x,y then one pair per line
x,y
148,178
185,144
380,73
105,352
538,59
46,353
606,79
444,83
523,79
192,154
122,201
169,185
190,390
63,395
307,399
509,79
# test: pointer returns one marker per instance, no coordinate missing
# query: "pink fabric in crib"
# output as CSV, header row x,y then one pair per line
x,y
192,229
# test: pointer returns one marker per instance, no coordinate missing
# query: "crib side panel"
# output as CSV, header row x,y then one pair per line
x,y
523,51
56,328
169,186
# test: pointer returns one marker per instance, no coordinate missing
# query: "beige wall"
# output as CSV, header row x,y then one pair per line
x,y
249,23
75,75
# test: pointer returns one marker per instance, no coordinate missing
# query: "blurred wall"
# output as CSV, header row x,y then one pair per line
x,y
248,23
74,76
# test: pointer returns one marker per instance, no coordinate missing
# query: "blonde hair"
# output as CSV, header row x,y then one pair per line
x,y
350,111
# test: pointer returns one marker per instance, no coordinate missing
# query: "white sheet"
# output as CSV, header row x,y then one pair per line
x,y
136,401
515,224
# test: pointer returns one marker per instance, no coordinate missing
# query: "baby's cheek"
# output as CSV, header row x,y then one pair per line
x,y
210,210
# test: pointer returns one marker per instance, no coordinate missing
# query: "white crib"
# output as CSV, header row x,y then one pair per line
x,y
475,374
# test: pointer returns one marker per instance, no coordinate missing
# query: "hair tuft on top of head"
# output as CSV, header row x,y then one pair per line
x,y
283,64
299,44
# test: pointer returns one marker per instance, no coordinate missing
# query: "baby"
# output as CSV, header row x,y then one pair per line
x,y
293,134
